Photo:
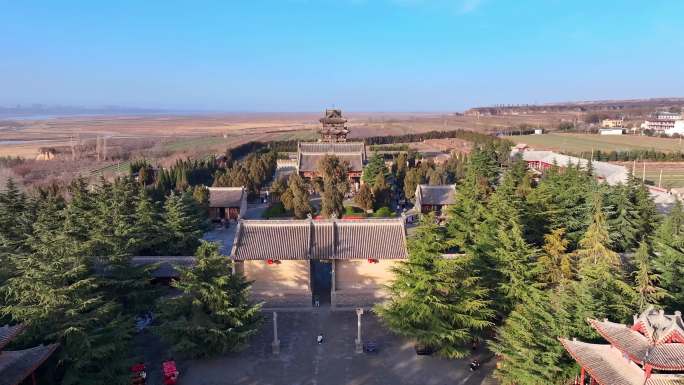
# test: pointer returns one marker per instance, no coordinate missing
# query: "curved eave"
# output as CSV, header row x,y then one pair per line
x,y
638,359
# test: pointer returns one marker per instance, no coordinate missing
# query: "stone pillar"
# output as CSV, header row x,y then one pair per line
x,y
276,342
358,343
333,286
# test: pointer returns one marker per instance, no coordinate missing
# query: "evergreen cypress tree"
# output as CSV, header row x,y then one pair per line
x,y
555,264
381,192
625,219
602,290
647,212
527,344
646,280
296,198
148,236
55,294
184,224
560,200
411,182
375,166
15,226
335,185
465,217
213,315
433,300
364,198
514,259
669,260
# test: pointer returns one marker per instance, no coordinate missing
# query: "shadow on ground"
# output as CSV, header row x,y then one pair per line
x,y
304,362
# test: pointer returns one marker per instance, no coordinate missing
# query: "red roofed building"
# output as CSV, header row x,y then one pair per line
x,y
650,352
18,366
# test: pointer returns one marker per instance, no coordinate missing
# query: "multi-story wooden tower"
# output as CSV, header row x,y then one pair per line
x,y
334,128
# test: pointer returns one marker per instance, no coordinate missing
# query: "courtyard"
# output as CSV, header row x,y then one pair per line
x,y
304,362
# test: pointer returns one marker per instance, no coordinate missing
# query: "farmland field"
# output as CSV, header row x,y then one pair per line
x,y
672,172
577,143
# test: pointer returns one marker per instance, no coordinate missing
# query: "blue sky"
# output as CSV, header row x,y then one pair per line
x,y
362,55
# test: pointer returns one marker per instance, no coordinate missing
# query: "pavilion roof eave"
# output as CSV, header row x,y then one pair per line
x,y
17,369
661,357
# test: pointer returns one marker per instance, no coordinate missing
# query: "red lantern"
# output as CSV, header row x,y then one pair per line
x,y
269,261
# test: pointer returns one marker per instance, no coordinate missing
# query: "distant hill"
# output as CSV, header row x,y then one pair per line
x,y
41,110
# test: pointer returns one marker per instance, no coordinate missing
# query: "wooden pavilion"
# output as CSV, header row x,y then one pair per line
x,y
650,352
333,126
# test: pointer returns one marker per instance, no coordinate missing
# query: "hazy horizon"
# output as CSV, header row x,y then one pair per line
x,y
416,56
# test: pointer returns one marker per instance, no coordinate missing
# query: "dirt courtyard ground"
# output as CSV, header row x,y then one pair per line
x,y
304,362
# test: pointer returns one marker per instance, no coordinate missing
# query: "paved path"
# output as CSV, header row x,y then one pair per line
x,y
304,362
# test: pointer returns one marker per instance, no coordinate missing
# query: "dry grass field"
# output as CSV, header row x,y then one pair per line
x,y
577,143
163,139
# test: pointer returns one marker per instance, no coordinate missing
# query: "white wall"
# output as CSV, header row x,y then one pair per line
x,y
677,129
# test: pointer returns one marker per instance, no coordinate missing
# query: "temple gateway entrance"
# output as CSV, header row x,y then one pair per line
x,y
321,281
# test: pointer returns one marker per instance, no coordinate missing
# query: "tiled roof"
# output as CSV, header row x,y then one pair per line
x,y
664,356
226,196
7,334
167,265
374,239
607,366
16,366
437,195
332,148
309,162
320,239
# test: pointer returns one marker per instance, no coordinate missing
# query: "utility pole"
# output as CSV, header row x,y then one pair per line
x,y
104,148
358,343
660,179
643,174
276,342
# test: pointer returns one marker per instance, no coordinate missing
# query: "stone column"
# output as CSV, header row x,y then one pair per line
x,y
358,343
276,342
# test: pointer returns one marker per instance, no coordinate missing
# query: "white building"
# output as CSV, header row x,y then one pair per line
x,y
658,126
610,131
661,122
666,115
677,128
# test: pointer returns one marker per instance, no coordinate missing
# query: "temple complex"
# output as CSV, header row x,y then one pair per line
x,y
302,263
650,352
19,366
333,141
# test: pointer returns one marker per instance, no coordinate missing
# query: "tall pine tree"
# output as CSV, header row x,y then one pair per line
x,y
212,315
436,301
